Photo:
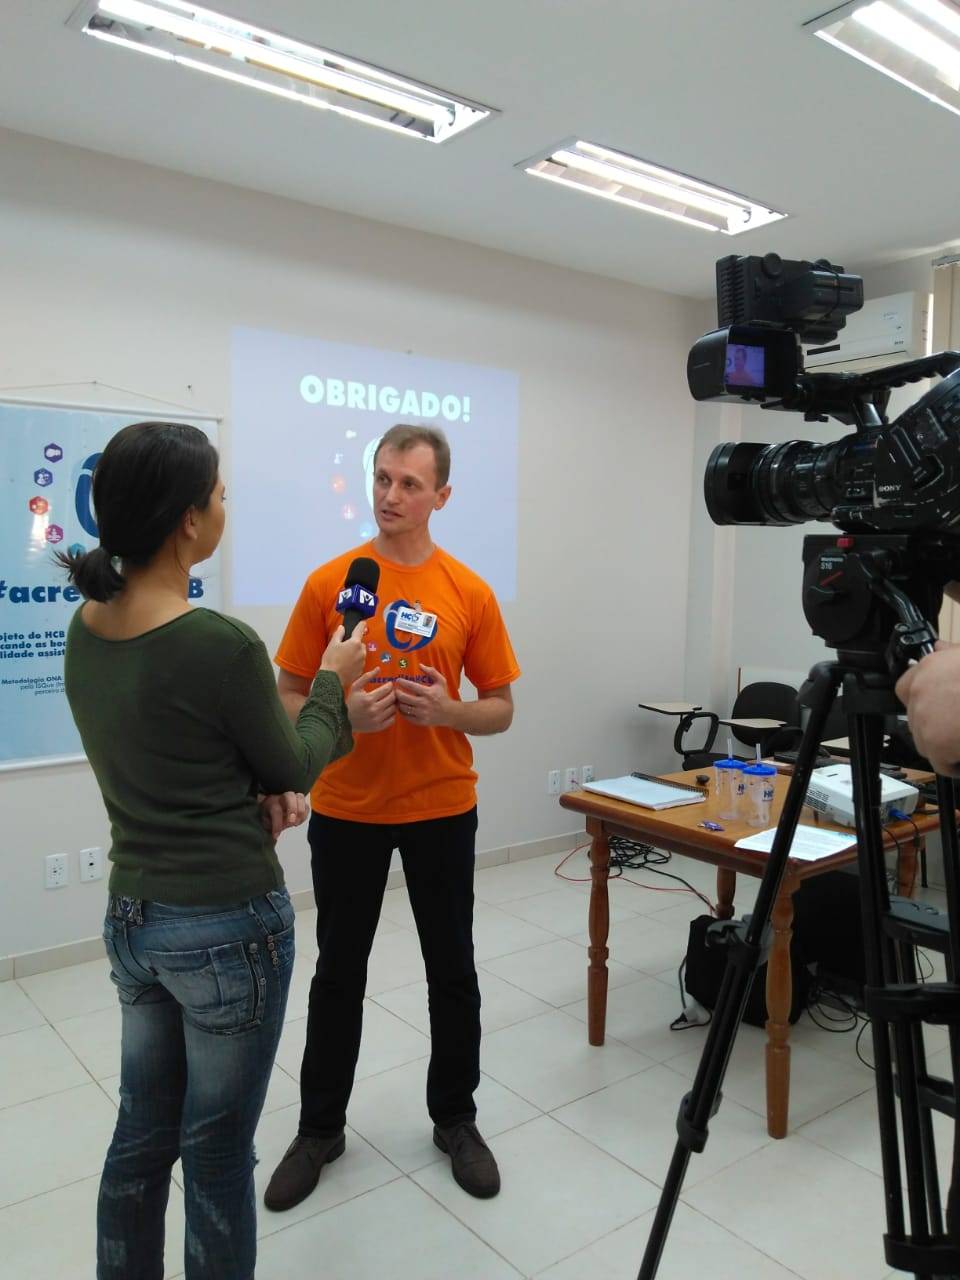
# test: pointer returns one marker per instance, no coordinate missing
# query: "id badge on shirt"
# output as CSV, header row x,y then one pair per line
x,y
415,622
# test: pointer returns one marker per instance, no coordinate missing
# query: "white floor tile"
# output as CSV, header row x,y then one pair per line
x,y
578,1184
34,1063
645,943
563,913
389,1110
548,1061
54,1235
559,1194
817,1083
387,1042
695,1247
396,1231
636,1121
497,933
290,1049
396,910
524,879
17,1012
282,1091
110,1085
298,997
395,961
502,1004
853,1131
385,926
555,972
639,1015
57,1140
685,907
843,1045
95,1039
359,1169
68,992
815,1213
571,870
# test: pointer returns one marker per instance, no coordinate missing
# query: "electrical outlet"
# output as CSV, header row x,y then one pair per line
x,y
586,774
56,871
91,864
571,780
553,782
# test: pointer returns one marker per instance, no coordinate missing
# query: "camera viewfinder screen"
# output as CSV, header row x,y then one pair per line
x,y
745,366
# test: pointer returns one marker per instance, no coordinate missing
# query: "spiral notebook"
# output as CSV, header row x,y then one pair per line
x,y
647,791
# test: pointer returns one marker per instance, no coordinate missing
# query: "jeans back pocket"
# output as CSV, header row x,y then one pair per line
x,y
220,989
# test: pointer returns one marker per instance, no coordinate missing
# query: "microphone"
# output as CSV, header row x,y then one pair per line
x,y
357,600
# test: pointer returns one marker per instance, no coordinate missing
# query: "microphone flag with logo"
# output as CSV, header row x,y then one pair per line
x,y
358,599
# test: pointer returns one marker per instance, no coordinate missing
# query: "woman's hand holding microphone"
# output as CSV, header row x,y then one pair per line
x,y
346,658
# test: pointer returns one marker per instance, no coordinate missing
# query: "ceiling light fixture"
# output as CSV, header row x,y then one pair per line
x,y
915,42
205,40
625,179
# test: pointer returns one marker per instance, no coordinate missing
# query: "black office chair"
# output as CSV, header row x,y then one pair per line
x,y
788,740
762,700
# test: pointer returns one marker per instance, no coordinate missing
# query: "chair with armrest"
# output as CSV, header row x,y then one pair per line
x,y
765,714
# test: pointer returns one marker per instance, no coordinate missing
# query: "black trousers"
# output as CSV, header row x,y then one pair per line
x,y
350,862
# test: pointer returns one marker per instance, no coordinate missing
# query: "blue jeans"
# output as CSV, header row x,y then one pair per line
x,y
202,993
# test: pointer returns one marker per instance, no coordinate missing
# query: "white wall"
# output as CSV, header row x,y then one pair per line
x,y
134,276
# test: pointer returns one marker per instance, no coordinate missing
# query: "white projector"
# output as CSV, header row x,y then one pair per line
x,y
831,793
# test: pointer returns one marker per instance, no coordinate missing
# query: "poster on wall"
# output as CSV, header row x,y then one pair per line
x,y
47,456
306,419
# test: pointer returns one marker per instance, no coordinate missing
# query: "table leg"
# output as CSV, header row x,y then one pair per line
x,y
599,931
907,866
779,996
726,888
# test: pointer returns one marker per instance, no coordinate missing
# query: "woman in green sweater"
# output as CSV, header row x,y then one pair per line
x,y
180,720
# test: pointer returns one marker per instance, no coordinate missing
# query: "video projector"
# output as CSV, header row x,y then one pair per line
x,y
831,793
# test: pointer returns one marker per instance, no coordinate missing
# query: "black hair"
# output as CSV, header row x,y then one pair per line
x,y
147,478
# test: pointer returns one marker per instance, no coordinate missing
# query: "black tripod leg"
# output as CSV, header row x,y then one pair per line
x,y
743,959
866,737
908,974
947,801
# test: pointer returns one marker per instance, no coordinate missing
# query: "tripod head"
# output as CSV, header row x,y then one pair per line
x,y
875,597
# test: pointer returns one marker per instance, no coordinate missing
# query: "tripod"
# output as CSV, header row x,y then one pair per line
x,y
859,595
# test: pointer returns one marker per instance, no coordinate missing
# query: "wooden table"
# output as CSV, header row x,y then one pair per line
x,y
679,831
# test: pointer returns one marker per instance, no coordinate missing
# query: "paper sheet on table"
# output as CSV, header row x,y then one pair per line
x,y
809,843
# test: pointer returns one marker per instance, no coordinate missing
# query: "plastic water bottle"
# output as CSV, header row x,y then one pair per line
x,y
758,800
728,786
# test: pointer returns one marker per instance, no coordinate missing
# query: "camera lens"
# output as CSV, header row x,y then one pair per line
x,y
772,484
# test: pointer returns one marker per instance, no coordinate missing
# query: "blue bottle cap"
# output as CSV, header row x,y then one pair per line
x,y
760,770
728,763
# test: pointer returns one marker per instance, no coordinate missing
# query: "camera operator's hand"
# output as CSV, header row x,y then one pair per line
x,y
371,710
346,658
930,691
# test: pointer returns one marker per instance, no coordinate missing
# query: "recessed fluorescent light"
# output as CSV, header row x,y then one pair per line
x,y
626,180
915,42
231,49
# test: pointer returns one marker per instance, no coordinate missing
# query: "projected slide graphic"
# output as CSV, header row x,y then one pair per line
x,y
306,419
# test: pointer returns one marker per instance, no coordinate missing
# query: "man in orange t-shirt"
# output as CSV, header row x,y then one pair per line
x,y
409,784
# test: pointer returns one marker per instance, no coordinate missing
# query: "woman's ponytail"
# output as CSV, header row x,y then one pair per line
x,y
93,573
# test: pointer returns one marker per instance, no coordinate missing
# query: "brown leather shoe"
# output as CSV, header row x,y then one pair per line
x,y
299,1171
471,1160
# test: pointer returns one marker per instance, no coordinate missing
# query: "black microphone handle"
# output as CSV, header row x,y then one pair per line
x,y
350,619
